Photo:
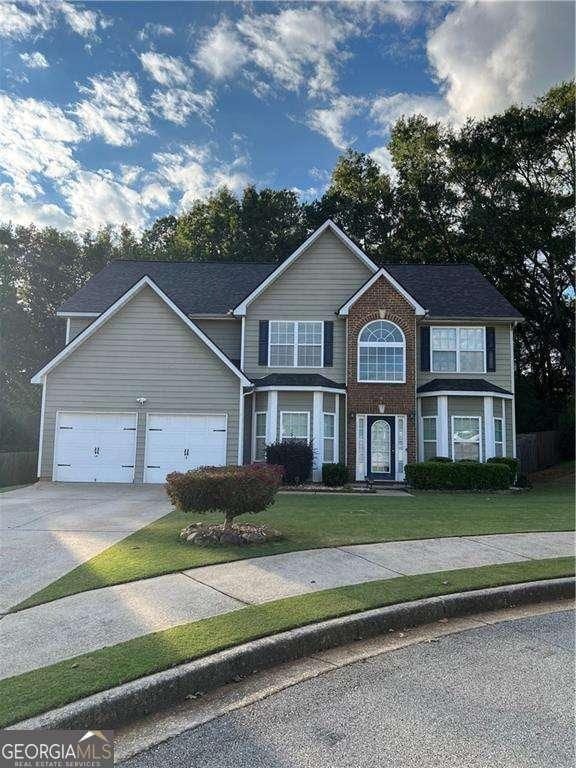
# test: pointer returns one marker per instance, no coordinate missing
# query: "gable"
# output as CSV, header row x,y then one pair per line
x,y
382,278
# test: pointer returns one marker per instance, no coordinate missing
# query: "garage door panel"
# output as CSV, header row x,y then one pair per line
x,y
95,447
178,443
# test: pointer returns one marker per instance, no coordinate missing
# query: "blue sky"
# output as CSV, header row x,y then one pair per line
x,y
122,112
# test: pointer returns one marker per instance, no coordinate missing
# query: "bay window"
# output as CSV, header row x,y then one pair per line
x,y
458,350
429,437
260,436
466,438
295,344
329,437
498,437
295,426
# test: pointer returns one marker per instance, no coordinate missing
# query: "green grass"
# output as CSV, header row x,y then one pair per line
x,y
34,692
312,521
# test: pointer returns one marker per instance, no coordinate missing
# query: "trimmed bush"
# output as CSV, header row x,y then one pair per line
x,y
441,459
335,474
507,461
459,476
295,457
233,491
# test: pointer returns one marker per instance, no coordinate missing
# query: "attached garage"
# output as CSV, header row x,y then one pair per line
x,y
179,442
95,447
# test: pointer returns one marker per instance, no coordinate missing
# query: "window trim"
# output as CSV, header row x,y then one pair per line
x,y
503,441
480,434
424,441
256,436
295,360
457,328
299,413
333,438
376,343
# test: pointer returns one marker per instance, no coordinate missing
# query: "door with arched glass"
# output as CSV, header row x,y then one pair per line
x,y
381,452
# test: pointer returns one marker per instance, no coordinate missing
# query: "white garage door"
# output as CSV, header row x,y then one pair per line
x,y
177,443
95,447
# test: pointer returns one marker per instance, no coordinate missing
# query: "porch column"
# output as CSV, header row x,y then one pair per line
x,y
442,428
489,447
318,435
272,418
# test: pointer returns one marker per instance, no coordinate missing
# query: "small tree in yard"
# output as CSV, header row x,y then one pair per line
x,y
232,491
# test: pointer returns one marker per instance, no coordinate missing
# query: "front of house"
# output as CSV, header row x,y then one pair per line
x,y
173,365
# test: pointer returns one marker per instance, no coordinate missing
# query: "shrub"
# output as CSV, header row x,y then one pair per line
x,y
335,474
461,475
233,491
441,459
295,457
507,461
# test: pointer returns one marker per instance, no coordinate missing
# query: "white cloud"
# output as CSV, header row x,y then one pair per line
x,y
114,109
83,22
35,60
130,173
331,121
21,19
384,159
20,210
488,55
221,52
386,110
177,104
154,30
164,69
36,139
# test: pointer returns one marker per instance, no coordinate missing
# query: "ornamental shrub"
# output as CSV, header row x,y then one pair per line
x,y
441,459
233,491
296,457
508,461
335,474
459,476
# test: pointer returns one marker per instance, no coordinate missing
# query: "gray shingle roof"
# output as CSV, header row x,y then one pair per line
x,y
297,380
452,290
196,287
461,385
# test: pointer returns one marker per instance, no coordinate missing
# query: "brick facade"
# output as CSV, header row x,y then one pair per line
x,y
381,302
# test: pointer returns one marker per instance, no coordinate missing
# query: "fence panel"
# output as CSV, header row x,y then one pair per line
x,y
537,450
18,467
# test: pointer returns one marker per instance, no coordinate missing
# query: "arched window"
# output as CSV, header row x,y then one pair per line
x,y
381,352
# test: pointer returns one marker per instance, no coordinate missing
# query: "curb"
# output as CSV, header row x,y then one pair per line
x,y
141,697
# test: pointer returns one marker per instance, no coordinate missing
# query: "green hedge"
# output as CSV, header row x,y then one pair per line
x,y
459,476
335,474
508,461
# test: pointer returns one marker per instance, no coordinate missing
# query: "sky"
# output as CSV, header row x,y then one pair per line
x,y
121,112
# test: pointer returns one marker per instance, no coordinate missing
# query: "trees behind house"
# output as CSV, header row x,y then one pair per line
x,y
497,193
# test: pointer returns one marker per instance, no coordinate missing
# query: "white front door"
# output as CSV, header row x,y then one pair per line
x,y
179,442
95,447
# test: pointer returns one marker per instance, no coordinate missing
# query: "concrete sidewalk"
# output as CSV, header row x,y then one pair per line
x,y
73,625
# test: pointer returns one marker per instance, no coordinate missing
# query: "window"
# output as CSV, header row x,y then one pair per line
x,y
329,436
429,437
381,352
295,344
458,350
260,436
499,437
466,438
295,425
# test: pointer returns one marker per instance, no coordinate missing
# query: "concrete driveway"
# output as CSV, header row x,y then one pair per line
x,y
47,529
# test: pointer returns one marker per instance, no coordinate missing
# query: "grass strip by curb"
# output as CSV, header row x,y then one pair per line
x,y
40,690
313,522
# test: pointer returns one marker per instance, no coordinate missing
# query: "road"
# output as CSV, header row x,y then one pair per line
x,y
496,697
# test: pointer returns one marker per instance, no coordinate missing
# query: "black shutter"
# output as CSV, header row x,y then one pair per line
x,y
328,343
425,348
263,343
490,349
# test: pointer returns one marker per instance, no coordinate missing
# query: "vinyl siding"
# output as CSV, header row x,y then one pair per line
x,y
428,406
78,324
500,377
313,288
224,333
145,350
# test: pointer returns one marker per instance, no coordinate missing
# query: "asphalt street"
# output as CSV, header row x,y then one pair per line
x,y
498,696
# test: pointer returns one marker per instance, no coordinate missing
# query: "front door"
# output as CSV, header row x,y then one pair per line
x,y
381,453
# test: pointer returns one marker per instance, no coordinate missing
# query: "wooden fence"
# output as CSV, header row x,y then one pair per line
x,y
537,450
18,467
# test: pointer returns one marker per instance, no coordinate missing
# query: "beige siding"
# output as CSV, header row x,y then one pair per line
x,y
77,325
145,350
329,402
225,334
428,406
466,406
500,377
313,288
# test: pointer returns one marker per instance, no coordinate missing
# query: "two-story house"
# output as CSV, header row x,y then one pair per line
x,y
173,365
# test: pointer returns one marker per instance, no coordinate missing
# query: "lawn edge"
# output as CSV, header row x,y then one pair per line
x,y
156,691
25,604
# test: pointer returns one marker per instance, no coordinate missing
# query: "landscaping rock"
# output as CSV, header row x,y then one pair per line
x,y
212,534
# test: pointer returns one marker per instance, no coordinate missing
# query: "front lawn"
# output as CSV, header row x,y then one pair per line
x,y
313,521
42,689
